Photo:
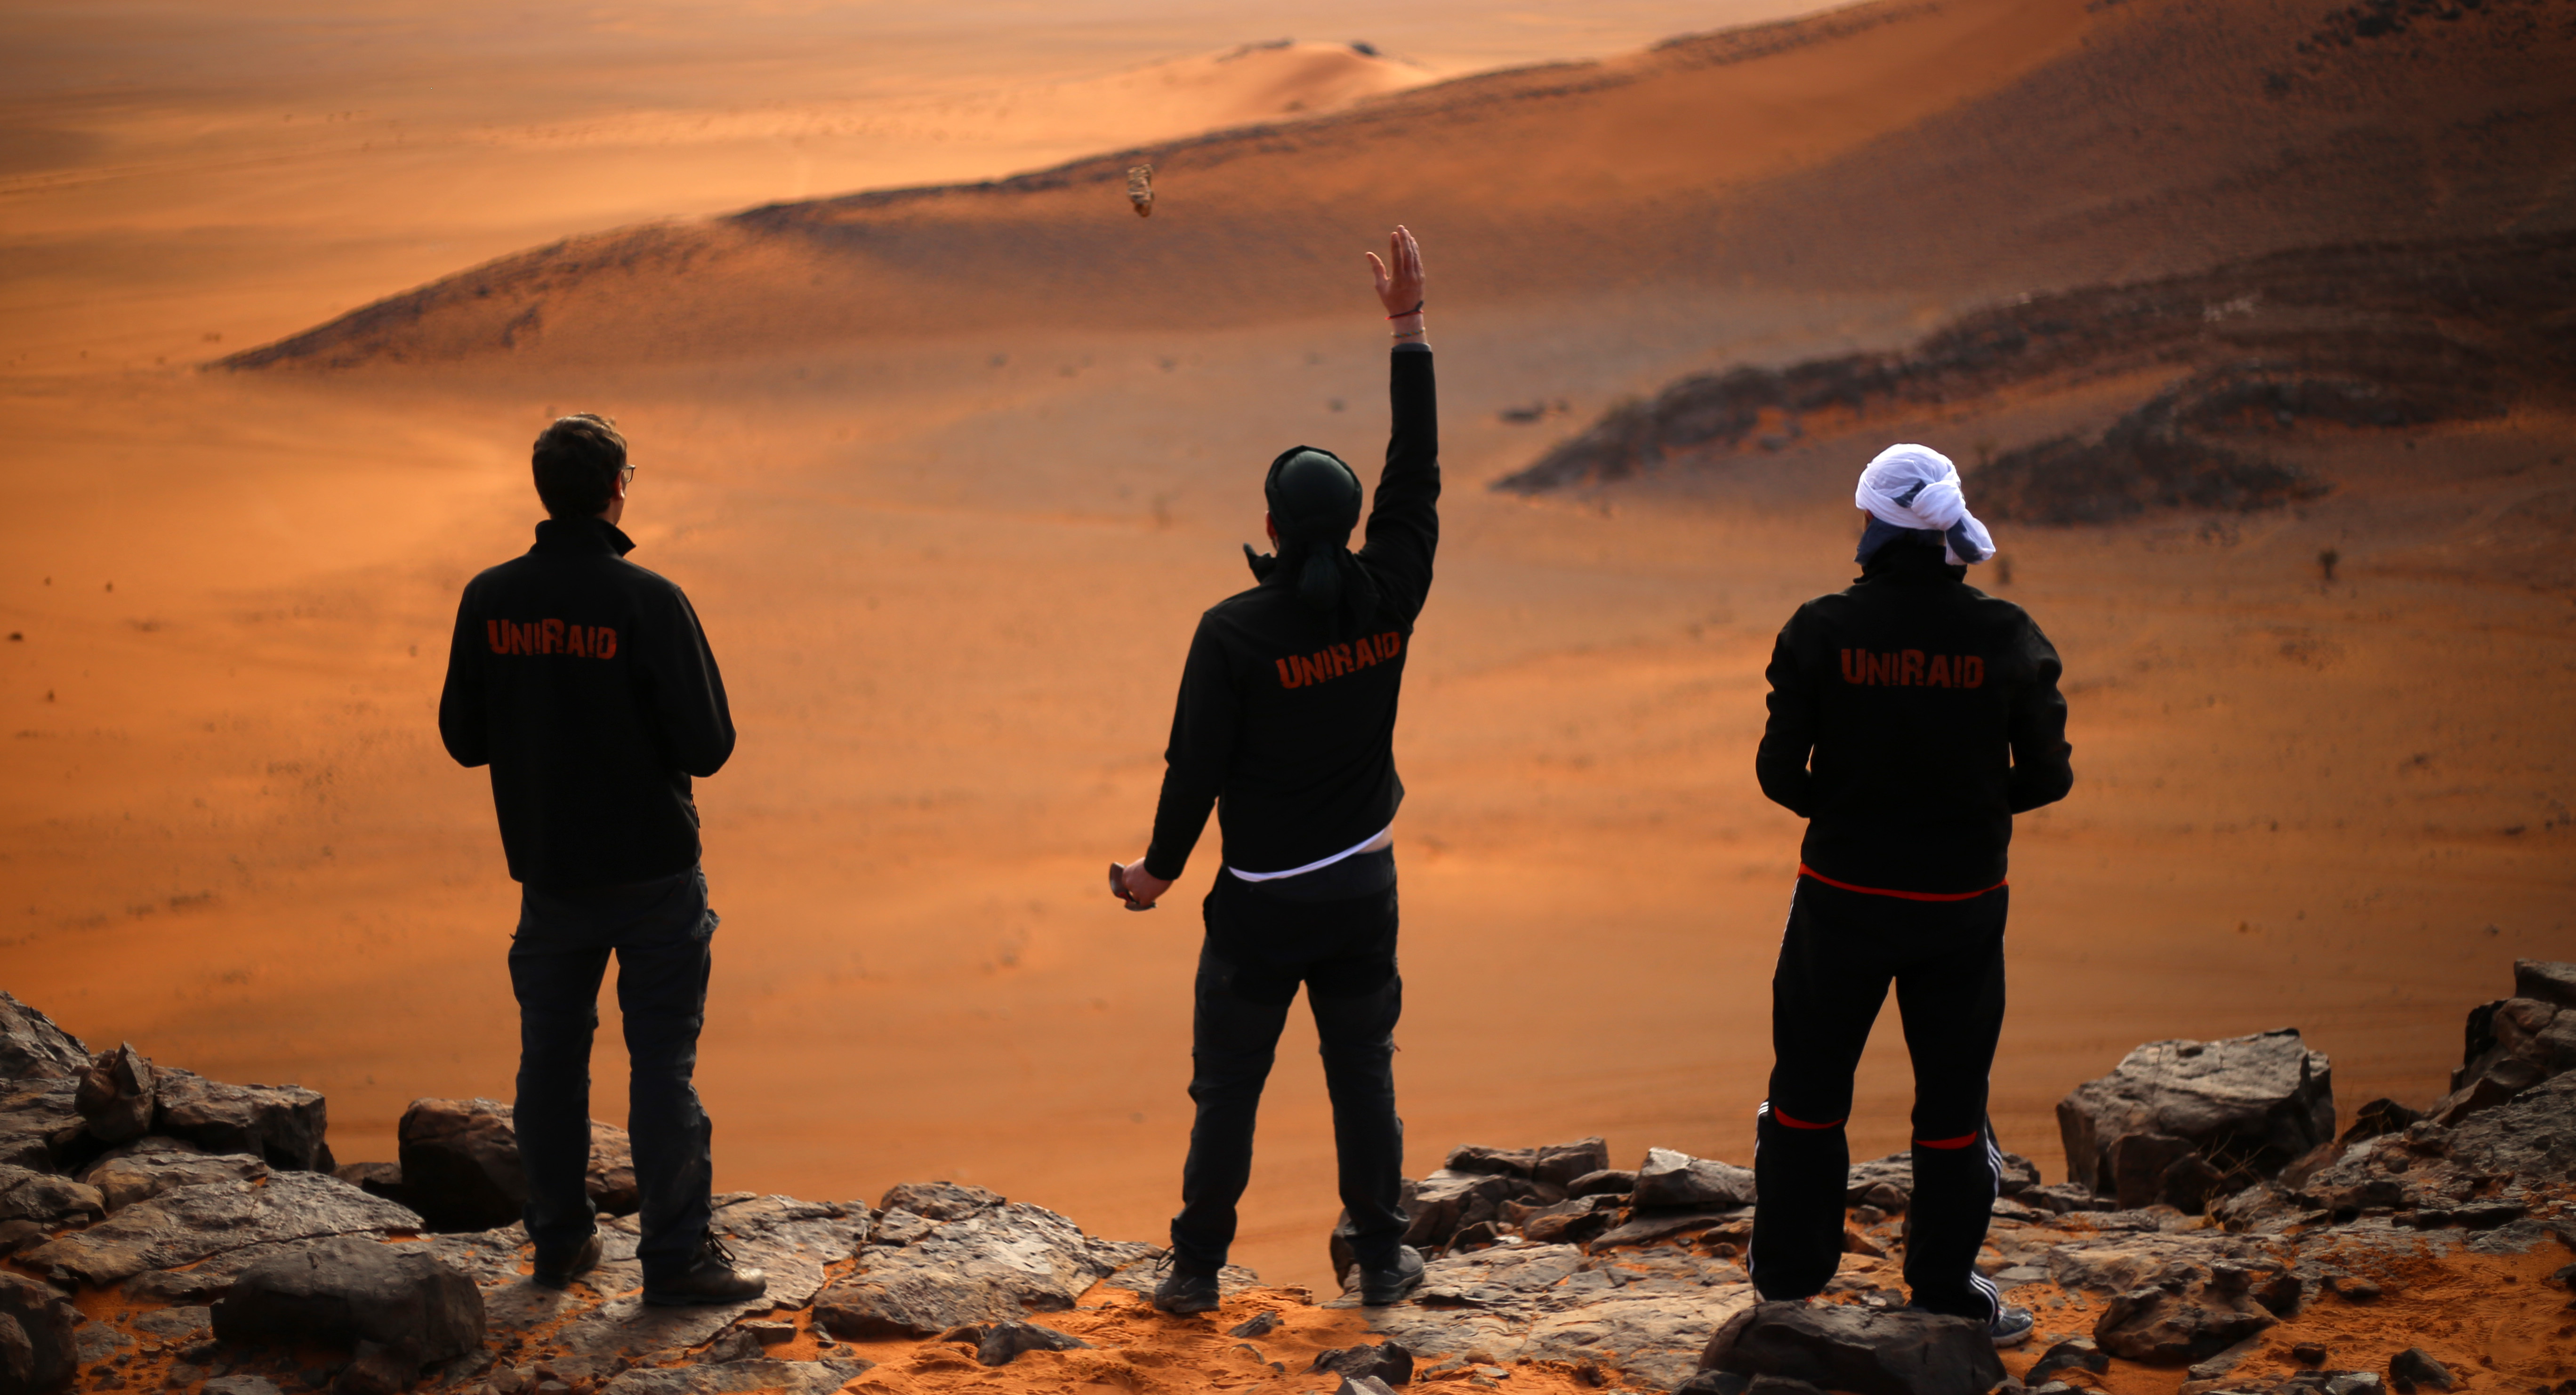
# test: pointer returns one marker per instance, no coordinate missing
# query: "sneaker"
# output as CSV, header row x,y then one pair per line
x,y
1379,1287
1185,1290
560,1276
715,1276
2012,1326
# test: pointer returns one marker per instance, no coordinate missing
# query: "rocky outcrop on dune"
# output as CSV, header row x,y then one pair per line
x,y
2212,1228
2360,337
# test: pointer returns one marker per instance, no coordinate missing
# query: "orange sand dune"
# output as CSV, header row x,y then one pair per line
x,y
950,512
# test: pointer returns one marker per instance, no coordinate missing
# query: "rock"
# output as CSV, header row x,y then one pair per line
x,y
996,1264
1604,1182
240,1385
2309,1353
2380,1116
378,1370
37,1350
1861,1350
1718,1383
33,1048
1648,1227
1492,1162
1678,1181
18,1235
1005,1341
1258,1325
793,1240
722,1377
281,1124
2248,1104
1389,1362
2356,1290
2073,1354
115,1095
940,1201
346,1289
1561,1164
33,1113
459,1165
2178,1324
1567,1222
192,1223
152,1165
2416,1366
44,1198
1363,1385
1447,1202
2545,980
382,1179
2136,1164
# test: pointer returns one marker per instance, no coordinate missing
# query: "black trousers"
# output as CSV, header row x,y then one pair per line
x,y
1837,957
659,931
1261,945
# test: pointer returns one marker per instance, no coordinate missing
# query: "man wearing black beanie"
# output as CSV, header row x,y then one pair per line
x,y
1286,723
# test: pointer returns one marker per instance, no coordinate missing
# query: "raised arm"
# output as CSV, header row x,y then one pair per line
x,y
1404,521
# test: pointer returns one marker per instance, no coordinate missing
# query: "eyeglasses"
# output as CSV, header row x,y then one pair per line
x,y
626,474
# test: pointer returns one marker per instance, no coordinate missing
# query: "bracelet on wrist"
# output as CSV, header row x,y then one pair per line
x,y
1416,310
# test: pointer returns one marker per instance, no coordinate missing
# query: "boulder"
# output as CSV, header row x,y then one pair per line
x,y
1004,1342
993,1265
1861,1350
281,1124
33,1114
115,1095
37,1351
347,1289
44,1198
460,1165
33,1048
192,1223
2547,980
1389,1362
2249,1105
1678,1181
1447,1202
2416,1366
149,1166
2178,1323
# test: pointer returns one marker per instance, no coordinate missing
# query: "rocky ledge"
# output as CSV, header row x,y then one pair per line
x,y
2214,1232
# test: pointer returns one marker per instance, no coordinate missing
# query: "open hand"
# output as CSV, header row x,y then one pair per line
x,y
1399,277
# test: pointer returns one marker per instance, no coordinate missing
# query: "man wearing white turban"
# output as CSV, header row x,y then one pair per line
x,y
1911,717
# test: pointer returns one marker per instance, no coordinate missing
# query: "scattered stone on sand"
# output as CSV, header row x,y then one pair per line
x,y
1677,1181
459,1165
1861,1350
1258,1325
347,1289
281,1124
37,1349
1005,1342
192,1223
2073,1354
1387,1361
2416,1366
151,1165
33,1048
115,1095
2179,1323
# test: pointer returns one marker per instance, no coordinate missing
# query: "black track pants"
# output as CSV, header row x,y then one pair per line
x,y
1258,951
1841,950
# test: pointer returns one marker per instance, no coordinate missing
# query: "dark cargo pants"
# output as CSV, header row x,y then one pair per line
x,y
659,931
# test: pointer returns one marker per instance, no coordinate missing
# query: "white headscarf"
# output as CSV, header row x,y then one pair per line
x,y
1916,488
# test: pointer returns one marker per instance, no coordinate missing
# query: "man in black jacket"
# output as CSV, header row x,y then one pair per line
x,y
1911,717
1286,723
584,681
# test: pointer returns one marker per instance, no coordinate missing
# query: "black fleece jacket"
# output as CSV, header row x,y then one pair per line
x,y
586,683
1911,717
1283,724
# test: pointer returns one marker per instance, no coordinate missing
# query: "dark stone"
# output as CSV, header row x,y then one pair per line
x,y
1715,1383
2548,981
378,1370
382,1179
1446,1202
1476,1237
18,1235
33,1113
1569,1222
1780,1385
2357,1290
281,1124
1678,1181
1563,1164
33,1048
460,1165
2179,1324
213,1219
2380,1116
2309,1353
1861,1350
1258,1325
940,1201
1888,1197
2073,1354
1390,1362
1004,1342
347,1289
44,1198
2065,1197
37,1349
996,1265
116,1095
1492,1162
2416,1366
1605,1182
149,1166
2137,1164
2247,1104
1363,1385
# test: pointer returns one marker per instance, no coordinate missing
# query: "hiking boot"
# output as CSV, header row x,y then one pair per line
x,y
559,1275
715,1276
1379,1287
2012,1326
1185,1290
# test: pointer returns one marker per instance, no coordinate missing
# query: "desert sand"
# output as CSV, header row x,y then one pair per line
x,y
949,474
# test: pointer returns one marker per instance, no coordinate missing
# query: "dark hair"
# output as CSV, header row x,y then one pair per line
x,y
576,461
1314,498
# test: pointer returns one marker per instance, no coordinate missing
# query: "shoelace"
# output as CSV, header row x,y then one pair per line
x,y
715,1249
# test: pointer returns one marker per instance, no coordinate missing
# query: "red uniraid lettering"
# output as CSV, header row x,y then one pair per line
x,y
1300,670
1912,668
550,637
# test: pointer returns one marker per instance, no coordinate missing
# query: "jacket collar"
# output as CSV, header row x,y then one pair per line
x,y
1909,562
574,537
